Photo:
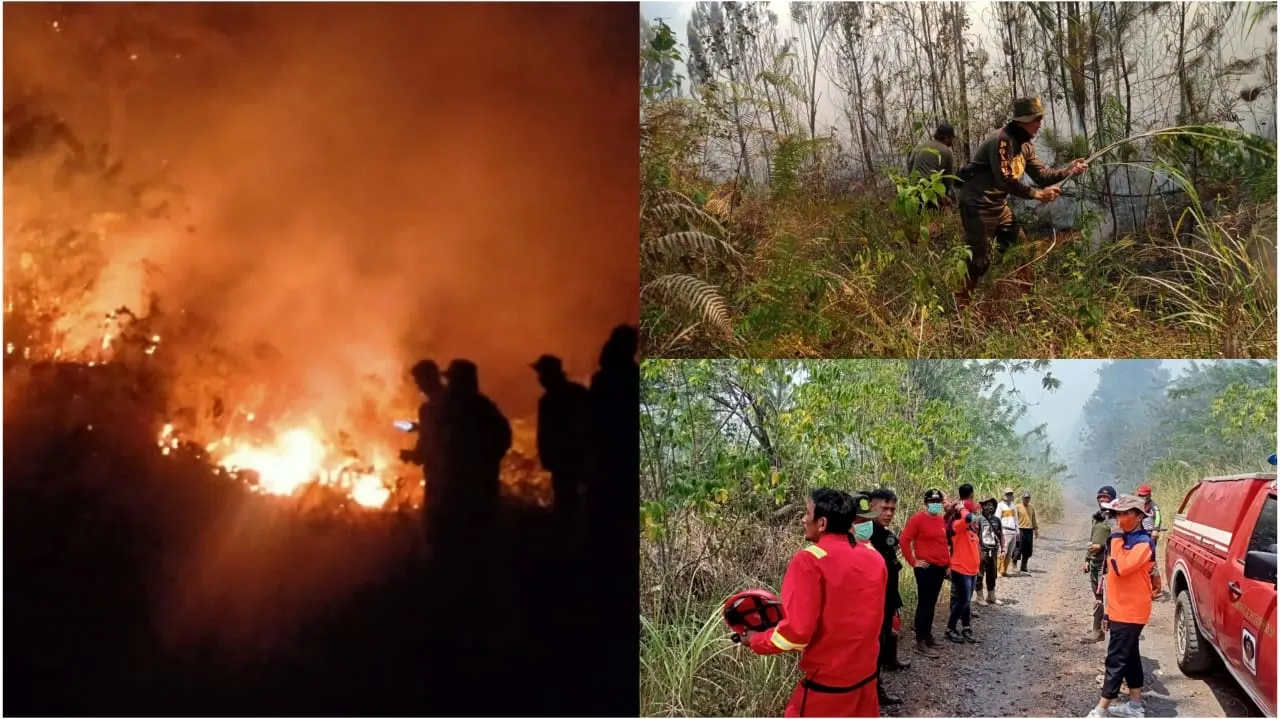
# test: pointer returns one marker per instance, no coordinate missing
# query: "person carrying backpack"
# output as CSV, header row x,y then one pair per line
x,y
990,546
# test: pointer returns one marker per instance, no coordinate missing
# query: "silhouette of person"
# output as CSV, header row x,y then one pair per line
x,y
561,434
426,452
614,422
476,438
614,427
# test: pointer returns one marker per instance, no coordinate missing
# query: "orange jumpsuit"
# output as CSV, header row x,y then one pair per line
x,y
833,605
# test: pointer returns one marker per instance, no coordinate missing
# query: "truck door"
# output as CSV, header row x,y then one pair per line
x,y
1246,607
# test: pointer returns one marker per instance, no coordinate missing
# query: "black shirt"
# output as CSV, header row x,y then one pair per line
x,y
886,543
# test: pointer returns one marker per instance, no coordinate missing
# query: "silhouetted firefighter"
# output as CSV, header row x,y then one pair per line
x,y
614,432
562,441
426,375
476,436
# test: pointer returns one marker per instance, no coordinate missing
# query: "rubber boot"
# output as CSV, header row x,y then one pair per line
x,y
1004,566
991,599
894,664
1096,635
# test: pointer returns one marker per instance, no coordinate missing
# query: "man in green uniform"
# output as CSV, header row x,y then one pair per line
x,y
1095,556
994,173
933,155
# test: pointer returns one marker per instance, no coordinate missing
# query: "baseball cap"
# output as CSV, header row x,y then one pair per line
x,y
1026,495
933,495
1144,490
862,506
1008,490
1125,502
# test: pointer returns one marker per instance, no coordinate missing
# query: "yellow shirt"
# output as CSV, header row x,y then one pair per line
x,y
1027,517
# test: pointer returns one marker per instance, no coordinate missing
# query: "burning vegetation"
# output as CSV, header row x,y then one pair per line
x,y
230,230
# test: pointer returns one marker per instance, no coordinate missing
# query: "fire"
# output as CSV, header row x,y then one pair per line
x,y
291,461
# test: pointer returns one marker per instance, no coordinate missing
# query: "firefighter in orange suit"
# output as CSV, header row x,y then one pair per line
x,y
832,605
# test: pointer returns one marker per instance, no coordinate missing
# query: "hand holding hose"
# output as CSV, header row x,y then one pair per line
x,y
1048,194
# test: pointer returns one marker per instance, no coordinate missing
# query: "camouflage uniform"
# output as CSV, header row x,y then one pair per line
x,y
991,176
1098,534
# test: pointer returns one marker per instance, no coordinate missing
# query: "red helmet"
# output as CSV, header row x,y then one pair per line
x,y
752,610
1144,490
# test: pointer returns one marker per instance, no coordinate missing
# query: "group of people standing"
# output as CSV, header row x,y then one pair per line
x,y
967,543
852,594
585,438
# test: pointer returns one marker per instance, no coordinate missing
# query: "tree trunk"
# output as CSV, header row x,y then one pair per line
x,y
1075,42
957,21
1095,18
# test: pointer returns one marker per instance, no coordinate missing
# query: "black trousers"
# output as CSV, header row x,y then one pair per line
x,y
929,586
987,569
961,599
888,647
1124,662
1025,542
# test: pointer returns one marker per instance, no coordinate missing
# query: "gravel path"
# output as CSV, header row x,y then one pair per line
x,y
1031,661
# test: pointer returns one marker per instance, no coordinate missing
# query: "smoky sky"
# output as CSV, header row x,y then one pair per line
x,y
368,184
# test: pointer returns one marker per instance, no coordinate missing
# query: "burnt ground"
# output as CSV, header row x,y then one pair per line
x,y
1031,661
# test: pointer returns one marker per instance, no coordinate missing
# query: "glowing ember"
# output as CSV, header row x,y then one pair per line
x,y
295,459
370,491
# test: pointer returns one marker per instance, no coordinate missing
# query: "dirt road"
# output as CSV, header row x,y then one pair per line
x,y
1031,661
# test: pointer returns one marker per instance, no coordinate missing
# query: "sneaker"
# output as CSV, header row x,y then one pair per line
x,y
1127,709
1097,711
967,635
954,636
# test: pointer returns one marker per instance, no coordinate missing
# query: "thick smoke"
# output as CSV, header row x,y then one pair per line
x,y
369,184
361,186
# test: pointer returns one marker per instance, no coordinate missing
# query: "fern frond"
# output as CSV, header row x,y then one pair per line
x,y
690,242
702,298
696,215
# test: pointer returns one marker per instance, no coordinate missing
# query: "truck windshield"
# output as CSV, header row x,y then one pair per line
x,y
1264,532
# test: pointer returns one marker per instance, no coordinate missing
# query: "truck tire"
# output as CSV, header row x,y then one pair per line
x,y
1195,656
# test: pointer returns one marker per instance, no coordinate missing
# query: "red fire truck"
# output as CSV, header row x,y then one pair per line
x,y
1221,565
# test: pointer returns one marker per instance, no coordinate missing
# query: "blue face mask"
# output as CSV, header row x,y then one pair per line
x,y
934,508
862,530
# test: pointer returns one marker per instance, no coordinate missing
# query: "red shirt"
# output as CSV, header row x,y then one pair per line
x,y
964,546
832,606
928,533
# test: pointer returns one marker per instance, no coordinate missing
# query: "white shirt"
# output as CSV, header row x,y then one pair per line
x,y
1008,514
